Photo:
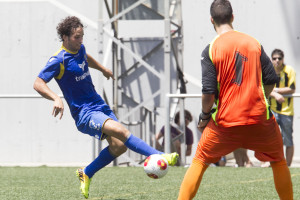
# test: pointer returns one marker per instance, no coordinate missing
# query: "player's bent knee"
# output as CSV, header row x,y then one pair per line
x,y
119,131
278,163
118,149
124,132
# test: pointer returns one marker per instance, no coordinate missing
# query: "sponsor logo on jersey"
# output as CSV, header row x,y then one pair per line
x,y
94,125
82,65
83,76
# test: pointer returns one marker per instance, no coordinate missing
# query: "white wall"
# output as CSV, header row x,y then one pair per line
x,y
30,135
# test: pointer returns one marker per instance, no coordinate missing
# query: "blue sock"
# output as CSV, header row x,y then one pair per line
x,y
139,146
101,161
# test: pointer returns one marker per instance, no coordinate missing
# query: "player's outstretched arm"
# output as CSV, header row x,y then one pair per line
x,y
96,65
41,87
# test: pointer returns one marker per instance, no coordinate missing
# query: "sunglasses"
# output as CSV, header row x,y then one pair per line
x,y
275,58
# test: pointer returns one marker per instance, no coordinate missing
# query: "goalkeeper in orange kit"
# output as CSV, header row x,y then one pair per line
x,y
238,76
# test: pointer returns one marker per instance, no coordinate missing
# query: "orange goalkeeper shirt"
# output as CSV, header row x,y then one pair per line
x,y
234,68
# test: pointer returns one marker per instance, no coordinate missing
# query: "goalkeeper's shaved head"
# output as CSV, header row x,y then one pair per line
x,y
221,11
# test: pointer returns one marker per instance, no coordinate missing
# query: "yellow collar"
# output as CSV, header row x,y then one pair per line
x,y
72,52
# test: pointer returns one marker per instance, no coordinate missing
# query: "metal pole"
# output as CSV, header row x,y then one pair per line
x,y
182,87
115,65
182,138
167,62
167,126
37,96
115,62
200,95
97,144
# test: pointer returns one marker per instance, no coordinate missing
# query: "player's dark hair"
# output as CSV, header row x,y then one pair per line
x,y
187,115
278,51
67,25
221,11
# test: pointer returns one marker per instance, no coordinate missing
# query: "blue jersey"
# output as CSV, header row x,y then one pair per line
x,y
70,70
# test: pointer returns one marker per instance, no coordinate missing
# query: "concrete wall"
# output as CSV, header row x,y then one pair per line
x,y
31,136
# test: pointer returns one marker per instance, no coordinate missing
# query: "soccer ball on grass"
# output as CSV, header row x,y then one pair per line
x,y
156,166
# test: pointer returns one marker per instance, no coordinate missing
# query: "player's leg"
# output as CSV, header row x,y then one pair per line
x,y
102,124
212,146
281,173
108,154
238,156
92,125
278,120
192,180
266,141
247,160
289,151
241,157
117,130
222,161
286,126
282,180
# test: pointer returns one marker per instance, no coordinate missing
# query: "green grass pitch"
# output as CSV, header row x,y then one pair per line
x,y
124,183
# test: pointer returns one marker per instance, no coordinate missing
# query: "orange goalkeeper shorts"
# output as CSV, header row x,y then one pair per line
x,y
264,139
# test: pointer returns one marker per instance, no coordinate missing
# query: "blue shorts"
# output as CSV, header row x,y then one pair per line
x,y
93,119
286,126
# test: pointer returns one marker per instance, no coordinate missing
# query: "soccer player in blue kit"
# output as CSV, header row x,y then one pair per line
x,y
70,68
